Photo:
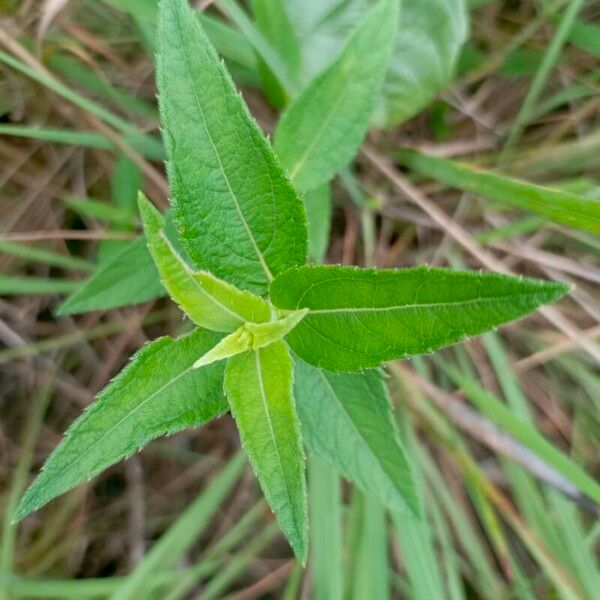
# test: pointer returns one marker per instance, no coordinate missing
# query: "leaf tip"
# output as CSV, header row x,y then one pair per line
x,y
300,547
555,290
63,308
151,216
24,508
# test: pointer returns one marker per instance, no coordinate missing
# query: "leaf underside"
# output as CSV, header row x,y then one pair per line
x,y
158,393
238,215
360,318
258,384
347,420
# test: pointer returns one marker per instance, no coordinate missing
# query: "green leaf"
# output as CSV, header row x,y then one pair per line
x,y
158,393
264,334
251,336
322,129
347,419
586,36
425,54
424,58
127,179
262,46
130,277
273,21
258,384
209,302
317,203
238,215
360,318
557,205
235,343
322,28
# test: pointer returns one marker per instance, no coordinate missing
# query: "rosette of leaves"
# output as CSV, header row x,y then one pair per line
x,y
294,351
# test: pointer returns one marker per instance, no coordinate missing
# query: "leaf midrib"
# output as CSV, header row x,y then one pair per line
x,y
66,467
304,157
399,307
217,155
272,433
360,435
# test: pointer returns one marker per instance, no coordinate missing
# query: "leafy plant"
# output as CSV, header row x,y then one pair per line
x,y
426,46
294,351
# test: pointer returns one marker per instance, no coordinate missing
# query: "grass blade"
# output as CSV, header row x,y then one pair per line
x,y
559,206
47,257
501,416
13,285
325,529
184,532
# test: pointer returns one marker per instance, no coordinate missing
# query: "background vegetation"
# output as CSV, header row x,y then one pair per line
x,y
498,428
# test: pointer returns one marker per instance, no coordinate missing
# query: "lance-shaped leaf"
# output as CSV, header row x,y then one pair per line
x,y
347,419
209,302
258,384
360,318
158,393
322,129
238,215
129,277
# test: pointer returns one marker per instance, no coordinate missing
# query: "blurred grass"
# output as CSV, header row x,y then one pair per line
x,y
79,134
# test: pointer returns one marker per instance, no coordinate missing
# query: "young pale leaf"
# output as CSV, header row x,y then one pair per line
x,y
238,215
264,334
347,419
322,129
209,302
258,384
235,343
130,277
251,336
360,318
559,206
158,393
